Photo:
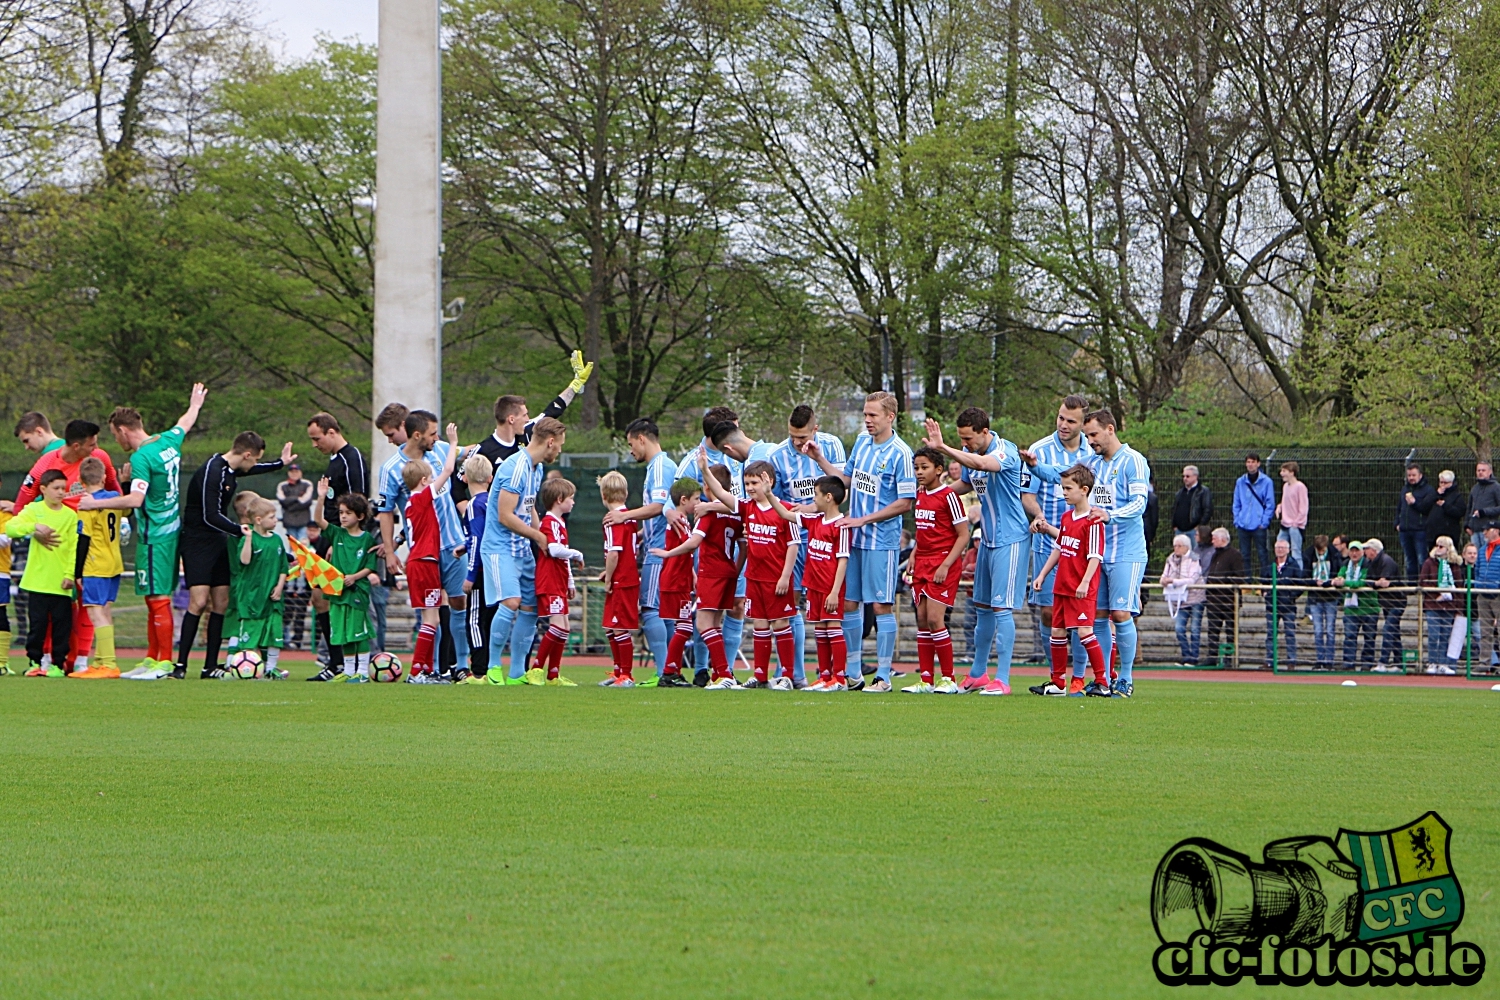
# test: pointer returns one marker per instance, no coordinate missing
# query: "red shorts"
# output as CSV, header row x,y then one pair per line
x,y
551,604
675,606
816,612
424,582
1071,612
716,593
622,608
944,593
764,604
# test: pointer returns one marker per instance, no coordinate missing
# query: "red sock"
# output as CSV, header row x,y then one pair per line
x,y
1060,660
1096,655
942,644
924,655
159,628
555,663
550,650
82,641
421,656
624,648
825,653
786,650
675,645
714,639
1114,661
840,653
762,655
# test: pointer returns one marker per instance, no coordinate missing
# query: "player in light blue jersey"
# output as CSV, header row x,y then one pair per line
x,y
1062,449
995,471
643,437
883,487
419,433
505,549
795,475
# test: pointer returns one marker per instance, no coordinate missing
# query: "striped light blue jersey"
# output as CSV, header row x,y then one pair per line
x,y
796,473
520,476
1120,487
1050,451
688,467
660,474
394,495
880,473
760,451
1002,517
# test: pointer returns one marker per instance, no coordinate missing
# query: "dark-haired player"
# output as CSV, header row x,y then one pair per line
x,y
645,447
1075,560
942,536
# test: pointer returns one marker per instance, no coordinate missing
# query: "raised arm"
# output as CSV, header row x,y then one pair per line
x,y
981,463
317,504
812,451
710,483
195,406
450,461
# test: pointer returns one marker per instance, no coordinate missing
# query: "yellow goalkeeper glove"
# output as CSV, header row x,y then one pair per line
x,y
581,372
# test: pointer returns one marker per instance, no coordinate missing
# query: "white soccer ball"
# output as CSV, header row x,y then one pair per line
x,y
246,665
386,667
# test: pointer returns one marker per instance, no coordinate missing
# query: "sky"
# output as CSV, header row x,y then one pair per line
x,y
298,22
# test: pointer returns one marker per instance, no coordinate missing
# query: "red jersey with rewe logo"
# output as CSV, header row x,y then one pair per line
x,y
621,538
1079,539
938,515
826,545
676,572
422,532
721,536
553,577
768,537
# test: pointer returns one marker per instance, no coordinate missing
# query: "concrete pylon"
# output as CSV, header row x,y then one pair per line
x,y
408,344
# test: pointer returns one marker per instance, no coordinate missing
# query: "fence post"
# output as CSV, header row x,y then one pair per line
x,y
1238,607
1274,624
1422,628
1469,629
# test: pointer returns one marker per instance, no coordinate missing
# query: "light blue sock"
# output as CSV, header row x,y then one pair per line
x,y
700,651
799,638
854,641
1005,642
1125,636
656,637
500,627
984,638
885,645
1106,639
1080,655
521,637
458,625
734,631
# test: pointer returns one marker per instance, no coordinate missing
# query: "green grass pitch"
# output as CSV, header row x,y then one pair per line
x,y
259,840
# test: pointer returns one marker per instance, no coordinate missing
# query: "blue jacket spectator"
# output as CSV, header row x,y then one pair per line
x,y
1487,571
1254,507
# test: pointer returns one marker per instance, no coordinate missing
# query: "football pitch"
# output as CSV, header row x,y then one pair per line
x,y
257,840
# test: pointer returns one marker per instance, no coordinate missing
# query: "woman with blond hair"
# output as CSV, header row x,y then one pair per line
x,y
1440,577
1184,599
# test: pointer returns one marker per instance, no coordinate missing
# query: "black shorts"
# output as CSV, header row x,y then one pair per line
x,y
205,559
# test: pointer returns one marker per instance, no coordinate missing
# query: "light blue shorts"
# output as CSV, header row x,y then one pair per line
x,y
871,576
1120,586
508,576
1042,598
1000,575
801,562
455,570
651,584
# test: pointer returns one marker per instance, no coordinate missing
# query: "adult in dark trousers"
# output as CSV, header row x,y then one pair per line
x,y
1289,578
1484,502
348,472
1321,562
1385,577
1193,506
1411,519
1449,509
1226,566
1254,507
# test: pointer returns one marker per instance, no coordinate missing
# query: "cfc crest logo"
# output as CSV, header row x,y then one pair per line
x,y
1364,908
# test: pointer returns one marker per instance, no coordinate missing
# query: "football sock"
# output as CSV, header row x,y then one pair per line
x,y
1005,642
5,640
325,632
104,642
189,636
825,652
700,651
500,629
713,639
159,628
544,652
1080,657
680,637
460,631
1060,657
885,645
840,649
1095,653
446,659
654,631
624,652
734,633
984,638
762,654
421,656
215,639
942,645
1104,637
523,633
273,657
82,638
799,648
785,641
924,655
554,663
1125,636
854,640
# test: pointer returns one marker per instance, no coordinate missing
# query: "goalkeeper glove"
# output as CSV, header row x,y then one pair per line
x,y
581,372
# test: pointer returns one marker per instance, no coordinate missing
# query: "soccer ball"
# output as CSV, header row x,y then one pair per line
x,y
385,667
246,665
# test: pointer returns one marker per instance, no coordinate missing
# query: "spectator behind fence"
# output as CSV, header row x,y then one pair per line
x,y
1487,591
1227,566
295,495
1151,516
1361,609
1185,601
1441,575
1321,563
1411,519
1293,509
1287,574
1461,643
1385,576
1449,507
1484,501
1193,507
1254,506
